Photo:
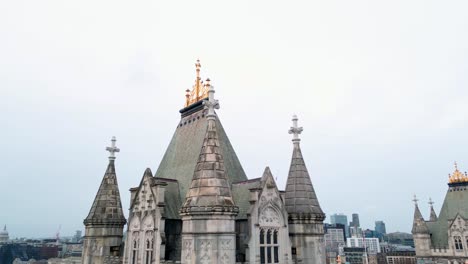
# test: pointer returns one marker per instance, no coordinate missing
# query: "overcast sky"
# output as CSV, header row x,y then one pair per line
x,y
380,88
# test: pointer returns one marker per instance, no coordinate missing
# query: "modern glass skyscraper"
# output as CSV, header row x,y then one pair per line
x,y
340,219
380,227
355,221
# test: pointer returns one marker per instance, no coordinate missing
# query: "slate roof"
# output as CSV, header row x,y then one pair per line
x,y
183,152
419,225
210,187
241,195
107,207
172,198
433,215
300,197
455,203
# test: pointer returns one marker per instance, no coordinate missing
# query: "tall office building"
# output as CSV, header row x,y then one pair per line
x,y
355,221
380,227
342,220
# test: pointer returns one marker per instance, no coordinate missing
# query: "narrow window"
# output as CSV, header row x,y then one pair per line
x,y
262,236
262,255
458,243
135,251
269,254
276,254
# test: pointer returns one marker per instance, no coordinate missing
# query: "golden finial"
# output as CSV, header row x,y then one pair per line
x,y
457,176
199,90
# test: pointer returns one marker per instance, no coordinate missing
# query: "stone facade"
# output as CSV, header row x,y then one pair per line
x,y
145,234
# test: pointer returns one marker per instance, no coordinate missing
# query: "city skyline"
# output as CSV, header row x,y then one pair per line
x,y
379,88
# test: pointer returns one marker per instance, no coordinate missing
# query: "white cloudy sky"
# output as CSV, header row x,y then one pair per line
x,y
380,88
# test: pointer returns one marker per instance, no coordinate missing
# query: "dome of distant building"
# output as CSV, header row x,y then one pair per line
x,y
4,235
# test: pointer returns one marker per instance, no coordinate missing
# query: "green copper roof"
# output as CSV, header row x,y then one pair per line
x,y
455,203
183,152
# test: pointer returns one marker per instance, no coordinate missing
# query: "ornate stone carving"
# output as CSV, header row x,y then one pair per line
x,y
187,249
205,251
225,259
225,244
269,217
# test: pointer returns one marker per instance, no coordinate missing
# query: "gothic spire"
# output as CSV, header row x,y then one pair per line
x,y
107,207
300,195
419,225
433,215
210,190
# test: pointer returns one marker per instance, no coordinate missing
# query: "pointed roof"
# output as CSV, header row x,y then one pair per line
x,y
267,179
455,203
419,225
433,215
300,194
210,187
182,154
107,207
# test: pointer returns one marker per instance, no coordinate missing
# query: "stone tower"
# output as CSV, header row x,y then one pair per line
x,y
421,234
305,217
208,213
105,221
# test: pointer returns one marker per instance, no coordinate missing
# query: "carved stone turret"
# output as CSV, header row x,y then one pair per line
x,y
305,217
208,214
105,221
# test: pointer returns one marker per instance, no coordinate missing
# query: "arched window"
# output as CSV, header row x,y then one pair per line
x,y
458,243
149,247
135,248
269,247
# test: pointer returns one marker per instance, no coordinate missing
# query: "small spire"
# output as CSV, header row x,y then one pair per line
x,y
4,228
211,104
415,200
112,149
198,67
432,215
295,130
431,203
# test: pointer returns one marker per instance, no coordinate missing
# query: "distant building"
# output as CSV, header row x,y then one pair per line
x,y
77,236
401,257
355,231
4,237
354,255
340,219
355,221
444,239
380,227
370,233
372,244
400,238
334,239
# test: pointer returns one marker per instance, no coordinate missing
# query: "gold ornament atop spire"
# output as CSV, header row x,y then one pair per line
x,y
199,89
457,176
